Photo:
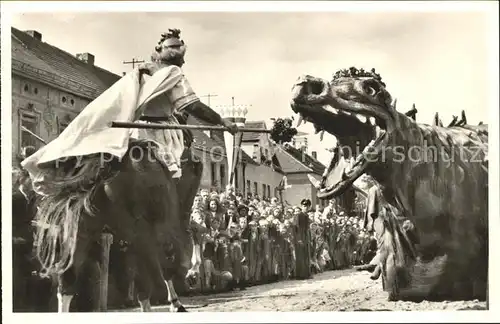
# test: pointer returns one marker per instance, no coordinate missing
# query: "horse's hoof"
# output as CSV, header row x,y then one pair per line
x,y
181,309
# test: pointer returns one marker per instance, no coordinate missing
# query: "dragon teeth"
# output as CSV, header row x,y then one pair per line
x,y
373,121
300,120
361,118
331,109
321,135
348,168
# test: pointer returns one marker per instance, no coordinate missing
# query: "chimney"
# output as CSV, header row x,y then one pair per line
x,y
33,33
314,155
86,57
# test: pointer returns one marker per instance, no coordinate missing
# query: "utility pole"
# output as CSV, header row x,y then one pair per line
x,y
232,101
208,96
133,62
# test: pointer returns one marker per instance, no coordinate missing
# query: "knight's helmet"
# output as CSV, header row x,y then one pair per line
x,y
170,49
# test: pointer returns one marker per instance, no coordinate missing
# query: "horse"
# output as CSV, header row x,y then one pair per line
x,y
138,200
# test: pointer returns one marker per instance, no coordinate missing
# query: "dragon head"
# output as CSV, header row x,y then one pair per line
x,y
356,108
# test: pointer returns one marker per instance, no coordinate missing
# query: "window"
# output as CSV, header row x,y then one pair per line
x,y
249,189
222,175
255,151
255,189
35,91
264,191
268,191
72,101
214,180
63,99
61,125
29,121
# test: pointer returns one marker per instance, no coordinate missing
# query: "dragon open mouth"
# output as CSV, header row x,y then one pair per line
x,y
342,174
361,137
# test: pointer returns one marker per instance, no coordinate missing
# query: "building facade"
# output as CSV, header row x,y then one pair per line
x,y
297,164
263,174
50,87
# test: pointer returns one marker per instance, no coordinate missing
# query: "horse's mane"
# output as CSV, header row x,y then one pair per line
x,y
70,197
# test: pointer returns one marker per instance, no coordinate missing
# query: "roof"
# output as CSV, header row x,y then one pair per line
x,y
207,143
38,60
293,160
252,137
245,158
204,142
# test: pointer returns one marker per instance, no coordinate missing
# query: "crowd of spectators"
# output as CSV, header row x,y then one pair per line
x,y
243,242
250,241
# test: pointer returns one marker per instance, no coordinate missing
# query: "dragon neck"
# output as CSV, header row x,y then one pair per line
x,y
403,156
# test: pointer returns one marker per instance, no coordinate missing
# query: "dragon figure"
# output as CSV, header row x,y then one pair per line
x,y
433,178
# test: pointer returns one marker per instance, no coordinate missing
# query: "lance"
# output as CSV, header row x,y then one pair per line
x,y
116,124
24,129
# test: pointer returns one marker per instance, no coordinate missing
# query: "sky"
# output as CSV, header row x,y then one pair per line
x,y
439,61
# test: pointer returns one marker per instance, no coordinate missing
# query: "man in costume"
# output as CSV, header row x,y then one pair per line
x,y
303,241
181,99
156,91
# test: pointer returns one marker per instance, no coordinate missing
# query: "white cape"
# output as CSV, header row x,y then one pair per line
x,y
90,132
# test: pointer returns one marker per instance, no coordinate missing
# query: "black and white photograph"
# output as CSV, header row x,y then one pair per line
x,y
297,161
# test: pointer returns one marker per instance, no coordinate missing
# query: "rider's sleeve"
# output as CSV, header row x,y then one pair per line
x,y
182,94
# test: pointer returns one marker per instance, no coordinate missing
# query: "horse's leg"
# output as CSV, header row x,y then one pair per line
x,y
68,281
175,304
150,270
195,261
144,287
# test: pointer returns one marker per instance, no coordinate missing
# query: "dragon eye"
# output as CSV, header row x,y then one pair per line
x,y
371,87
371,91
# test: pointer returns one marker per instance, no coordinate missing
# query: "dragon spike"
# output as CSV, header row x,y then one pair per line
x,y
299,122
412,113
394,103
436,119
464,119
453,122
